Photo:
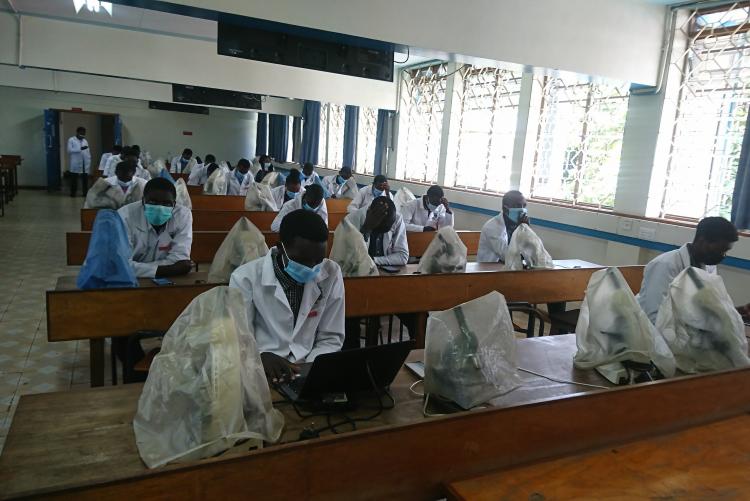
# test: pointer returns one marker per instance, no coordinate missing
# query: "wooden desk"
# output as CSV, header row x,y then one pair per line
x,y
206,243
80,444
220,220
217,202
705,462
74,315
196,190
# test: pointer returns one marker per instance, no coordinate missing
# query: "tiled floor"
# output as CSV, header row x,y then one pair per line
x,y
32,249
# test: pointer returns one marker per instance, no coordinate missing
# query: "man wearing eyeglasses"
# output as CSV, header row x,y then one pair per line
x,y
160,232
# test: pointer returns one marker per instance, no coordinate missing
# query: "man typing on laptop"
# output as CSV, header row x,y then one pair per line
x,y
294,296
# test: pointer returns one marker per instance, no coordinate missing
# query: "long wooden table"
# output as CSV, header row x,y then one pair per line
x,y
235,202
75,315
80,444
704,462
220,220
206,243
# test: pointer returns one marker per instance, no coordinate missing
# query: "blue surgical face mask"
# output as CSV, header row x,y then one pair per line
x,y
432,207
309,207
340,180
291,195
157,214
298,271
239,175
515,214
124,184
377,192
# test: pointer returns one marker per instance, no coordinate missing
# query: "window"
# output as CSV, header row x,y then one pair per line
x,y
366,137
331,143
711,111
579,137
421,122
483,128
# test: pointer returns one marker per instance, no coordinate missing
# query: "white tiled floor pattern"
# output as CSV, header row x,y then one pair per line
x,y
32,256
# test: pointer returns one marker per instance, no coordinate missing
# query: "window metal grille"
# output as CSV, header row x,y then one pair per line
x,y
335,135
421,122
366,138
579,139
711,112
483,128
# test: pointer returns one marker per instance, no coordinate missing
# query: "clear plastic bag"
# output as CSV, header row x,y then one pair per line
x,y
445,254
217,183
349,250
612,327
156,167
183,195
701,325
525,245
470,352
135,194
107,261
273,179
402,196
206,389
243,244
103,195
260,198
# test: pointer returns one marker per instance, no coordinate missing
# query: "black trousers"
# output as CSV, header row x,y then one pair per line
x,y
74,183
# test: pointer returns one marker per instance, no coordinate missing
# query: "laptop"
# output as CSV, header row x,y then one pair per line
x,y
348,372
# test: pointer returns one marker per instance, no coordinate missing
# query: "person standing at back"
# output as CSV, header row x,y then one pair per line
x,y
79,161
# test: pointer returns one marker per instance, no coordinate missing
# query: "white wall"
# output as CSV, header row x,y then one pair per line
x,y
228,134
611,38
103,50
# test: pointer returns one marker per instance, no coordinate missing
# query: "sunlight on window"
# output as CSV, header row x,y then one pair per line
x,y
366,138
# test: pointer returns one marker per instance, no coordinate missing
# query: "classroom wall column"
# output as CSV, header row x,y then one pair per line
x,y
446,129
522,122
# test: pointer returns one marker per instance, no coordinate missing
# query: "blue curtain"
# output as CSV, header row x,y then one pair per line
x,y
381,140
351,125
741,196
278,137
261,136
310,132
296,138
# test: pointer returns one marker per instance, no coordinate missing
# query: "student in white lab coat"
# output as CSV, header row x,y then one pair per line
x,y
496,233
116,150
198,176
714,237
429,212
126,180
183,163
266,167
367,194
309,176
289,191
160,231
341,185
384,232
79,161
294,297
312,200
128,153
239,178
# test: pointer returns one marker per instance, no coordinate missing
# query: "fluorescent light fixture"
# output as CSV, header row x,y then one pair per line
x,y
93,6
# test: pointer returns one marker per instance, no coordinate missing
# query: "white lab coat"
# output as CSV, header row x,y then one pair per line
x,y
313,179
395,246
136,182
234,187
416,216
493,241
320,321
364,198
151,249
279,192
347,190
198,175
176,167
659,274
104,160
109,170
296,204
79,160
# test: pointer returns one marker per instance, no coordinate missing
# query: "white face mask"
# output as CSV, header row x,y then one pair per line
x,y
124,184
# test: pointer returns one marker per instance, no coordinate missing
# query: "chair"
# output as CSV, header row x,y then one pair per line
x,y
535,316
564,322
131,366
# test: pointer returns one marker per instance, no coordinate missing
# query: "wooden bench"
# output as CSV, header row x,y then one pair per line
x,y
220,220
74,315
398,455
333,204
206,243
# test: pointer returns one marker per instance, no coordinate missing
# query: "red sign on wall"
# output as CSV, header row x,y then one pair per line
x,y
187,133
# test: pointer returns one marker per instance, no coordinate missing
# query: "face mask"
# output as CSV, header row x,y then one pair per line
x,y
377,192
298,271
124,184
340,180
309,207
291,195
239,175
157,214
265,165
515,214
432,207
